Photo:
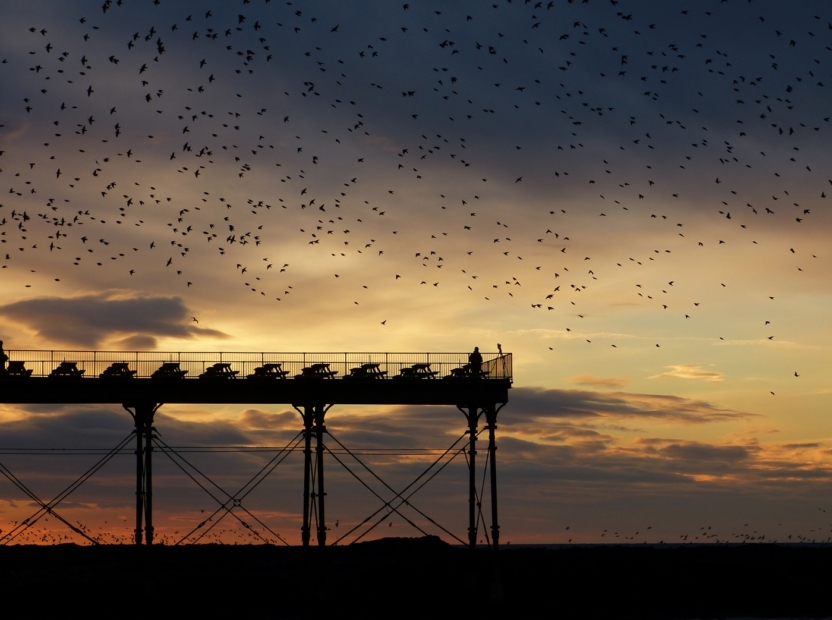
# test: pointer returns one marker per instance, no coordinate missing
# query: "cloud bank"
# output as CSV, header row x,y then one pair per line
x,y
87,321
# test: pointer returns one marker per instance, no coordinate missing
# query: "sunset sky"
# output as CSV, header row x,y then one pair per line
x,y
628,196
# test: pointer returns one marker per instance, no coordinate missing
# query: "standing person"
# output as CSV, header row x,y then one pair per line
x,y
3,358
475,362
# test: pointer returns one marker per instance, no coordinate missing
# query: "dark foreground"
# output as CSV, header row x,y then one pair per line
x,y
418,578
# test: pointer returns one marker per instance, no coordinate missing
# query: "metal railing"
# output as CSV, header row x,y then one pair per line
x,y
145,363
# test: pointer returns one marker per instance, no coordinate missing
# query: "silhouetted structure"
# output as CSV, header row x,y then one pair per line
x,y
311,383
117,371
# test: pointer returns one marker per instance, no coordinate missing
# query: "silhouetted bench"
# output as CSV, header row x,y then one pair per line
x,y
17,369
169,370
269,372
67,370
219,371
417,371
316,371
466,372
117,372
366,371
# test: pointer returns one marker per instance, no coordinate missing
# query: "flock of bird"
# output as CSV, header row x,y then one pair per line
x,y
155,146
107,534
238,534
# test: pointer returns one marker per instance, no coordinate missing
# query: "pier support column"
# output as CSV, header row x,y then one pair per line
x,y
142,414
137,533
313,500
473,416
308,416
148,476
320,429
491,420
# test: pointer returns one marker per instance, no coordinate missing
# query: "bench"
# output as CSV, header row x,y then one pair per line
x,y
466,372
67,370
169,370
268,372
18,369
219,371
417,371
117,371
316,371
366,371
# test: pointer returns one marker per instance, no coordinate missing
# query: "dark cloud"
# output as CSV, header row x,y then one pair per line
x,y
550,478
89,320
543,404
400,427
553,414
66,433
138,342
103,426
794,473
697,451
257,419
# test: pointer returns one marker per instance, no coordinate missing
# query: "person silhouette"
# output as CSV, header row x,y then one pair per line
x,y
475,362
3,358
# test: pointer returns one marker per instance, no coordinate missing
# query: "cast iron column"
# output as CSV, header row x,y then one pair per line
x,y
320,429
491,419
139,476
496,583
307,470
148,475
143,417
473,417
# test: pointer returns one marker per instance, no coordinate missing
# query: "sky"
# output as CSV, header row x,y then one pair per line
x,y
630,197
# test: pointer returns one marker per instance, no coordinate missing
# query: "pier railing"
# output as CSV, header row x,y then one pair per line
x,y
145,363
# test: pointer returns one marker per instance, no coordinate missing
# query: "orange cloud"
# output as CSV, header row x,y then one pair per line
x,y
689,371
592,380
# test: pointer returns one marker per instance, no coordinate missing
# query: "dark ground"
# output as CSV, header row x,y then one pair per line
x,y
417,578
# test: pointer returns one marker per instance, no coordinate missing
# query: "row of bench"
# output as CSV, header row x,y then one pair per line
x,y
120,371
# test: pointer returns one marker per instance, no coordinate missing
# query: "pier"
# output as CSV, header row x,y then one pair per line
x,y
312,383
